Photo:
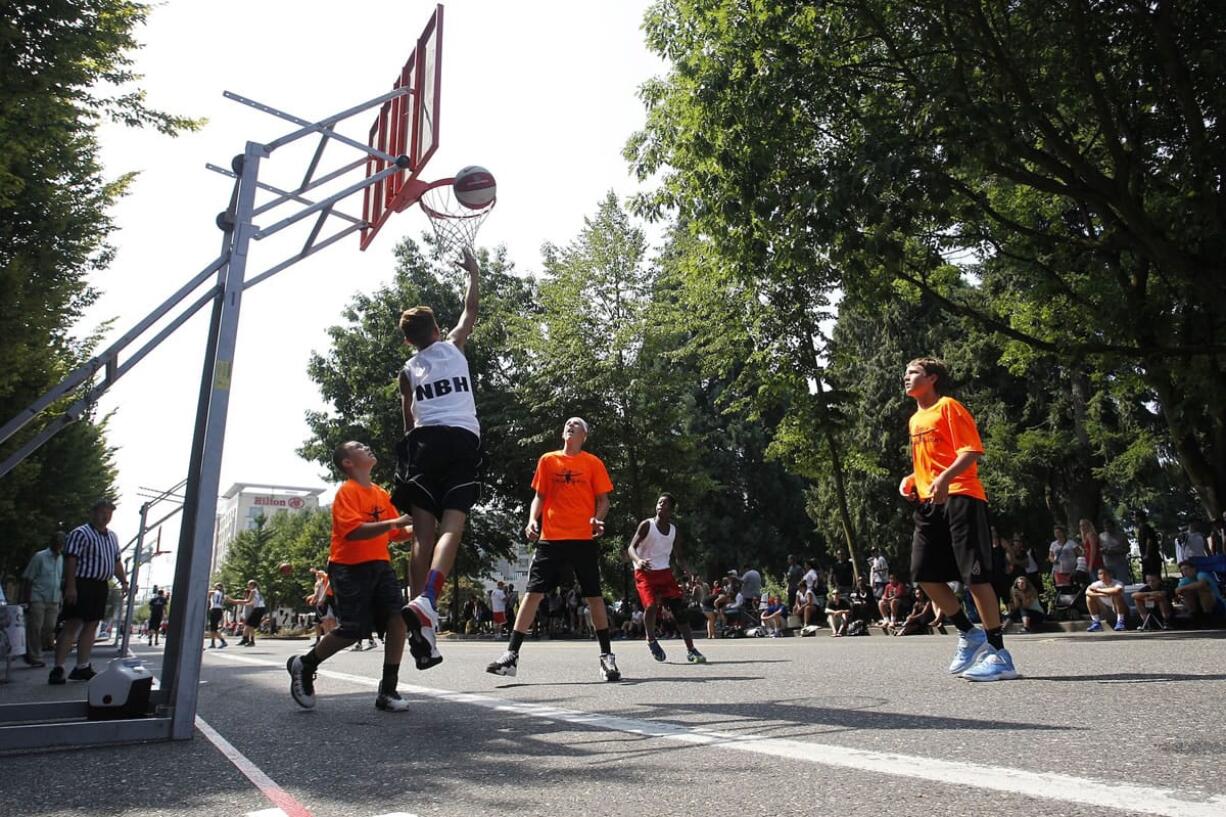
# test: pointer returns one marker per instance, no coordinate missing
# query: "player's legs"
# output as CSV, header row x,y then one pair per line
x,y
987,603
425,526
68,637
85,645
649,620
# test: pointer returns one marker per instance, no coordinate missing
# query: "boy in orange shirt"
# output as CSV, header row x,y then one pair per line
x,y
567,515
364,586
952,539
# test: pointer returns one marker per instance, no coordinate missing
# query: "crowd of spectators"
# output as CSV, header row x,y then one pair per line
x,y
1091,573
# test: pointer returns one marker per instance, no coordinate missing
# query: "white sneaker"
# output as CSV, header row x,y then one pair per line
x,y
505,665
608,667
425,612
422,622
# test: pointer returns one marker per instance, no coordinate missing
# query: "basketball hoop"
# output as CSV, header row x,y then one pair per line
x,y
455,225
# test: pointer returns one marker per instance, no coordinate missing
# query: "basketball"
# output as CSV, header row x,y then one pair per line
x,y
286,568
474,187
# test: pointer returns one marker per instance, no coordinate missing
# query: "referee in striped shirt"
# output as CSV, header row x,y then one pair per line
x,y
91,558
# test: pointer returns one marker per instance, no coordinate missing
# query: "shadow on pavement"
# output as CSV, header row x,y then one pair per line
x,y
1130,677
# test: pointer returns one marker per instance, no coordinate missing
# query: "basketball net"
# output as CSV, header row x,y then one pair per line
x,y
455,226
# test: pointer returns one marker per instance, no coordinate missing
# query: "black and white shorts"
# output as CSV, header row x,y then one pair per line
x,y
557,564
438,468
952,542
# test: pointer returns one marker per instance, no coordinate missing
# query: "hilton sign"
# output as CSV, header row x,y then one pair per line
x,y
295,502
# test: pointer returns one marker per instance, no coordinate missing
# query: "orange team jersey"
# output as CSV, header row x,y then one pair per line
x,y
354,506
938,435
569,487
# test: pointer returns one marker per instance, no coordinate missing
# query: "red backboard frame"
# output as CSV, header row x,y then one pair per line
x,y
406,126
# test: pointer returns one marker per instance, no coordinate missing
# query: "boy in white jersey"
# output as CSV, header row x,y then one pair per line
x,y
438,460
650,550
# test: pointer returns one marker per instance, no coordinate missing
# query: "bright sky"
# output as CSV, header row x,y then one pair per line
x,y
543,94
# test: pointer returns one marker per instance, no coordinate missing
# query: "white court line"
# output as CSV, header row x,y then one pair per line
x,y
288,806
1048,786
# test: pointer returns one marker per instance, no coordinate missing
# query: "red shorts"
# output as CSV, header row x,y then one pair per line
x,y
500,618
656,586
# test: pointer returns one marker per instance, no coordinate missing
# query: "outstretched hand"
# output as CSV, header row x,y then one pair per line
x,y
468,262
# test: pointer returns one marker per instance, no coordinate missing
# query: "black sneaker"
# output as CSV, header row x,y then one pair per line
x,y
57,676
391,702
507,664
82,673
302,682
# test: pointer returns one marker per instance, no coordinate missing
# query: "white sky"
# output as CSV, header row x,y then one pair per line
x,y
543,94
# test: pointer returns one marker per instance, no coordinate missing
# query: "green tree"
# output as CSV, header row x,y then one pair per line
x,y
67,70
1058,157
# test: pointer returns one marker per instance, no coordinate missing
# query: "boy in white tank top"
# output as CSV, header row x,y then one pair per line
x,y
651,552
438,460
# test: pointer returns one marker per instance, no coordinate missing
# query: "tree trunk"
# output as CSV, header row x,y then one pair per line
x,y
1206,473
840,489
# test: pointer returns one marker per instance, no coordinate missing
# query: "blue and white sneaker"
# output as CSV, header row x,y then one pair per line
x,y
1095,627
971,647
1120,625
657,652
997,665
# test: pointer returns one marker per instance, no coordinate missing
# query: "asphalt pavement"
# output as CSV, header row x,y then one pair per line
x,y
1126,723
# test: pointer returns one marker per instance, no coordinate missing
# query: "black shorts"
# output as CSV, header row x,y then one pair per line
x,y
952,542
155,624
257,615
91,600
214,618
322,611
557,564
365,595
438,468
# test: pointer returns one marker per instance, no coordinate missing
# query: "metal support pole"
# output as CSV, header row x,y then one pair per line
x,y
196,540
132,580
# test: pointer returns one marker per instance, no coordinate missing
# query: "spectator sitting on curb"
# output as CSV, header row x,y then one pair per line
x,y
1199,593
922,614
863,602
806,605
1024,605
838,612
1150,596
891,601
773,616
1104,595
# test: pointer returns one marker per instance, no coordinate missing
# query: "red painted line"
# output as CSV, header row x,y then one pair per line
x,y
279,796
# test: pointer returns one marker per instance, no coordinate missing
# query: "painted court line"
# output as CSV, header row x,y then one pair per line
x,y
287,806
1059,787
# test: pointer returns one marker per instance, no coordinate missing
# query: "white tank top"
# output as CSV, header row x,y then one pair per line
x,y
217,599
657,547
257,599
442,388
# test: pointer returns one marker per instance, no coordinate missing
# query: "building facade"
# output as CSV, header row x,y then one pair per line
x,y
245,502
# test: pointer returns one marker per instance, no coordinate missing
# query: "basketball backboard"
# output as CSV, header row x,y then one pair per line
x,y
408,127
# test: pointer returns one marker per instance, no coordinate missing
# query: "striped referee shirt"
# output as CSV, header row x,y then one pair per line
x,y
96,553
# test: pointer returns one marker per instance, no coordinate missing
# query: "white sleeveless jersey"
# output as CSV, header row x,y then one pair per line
x,y
657,547
442,388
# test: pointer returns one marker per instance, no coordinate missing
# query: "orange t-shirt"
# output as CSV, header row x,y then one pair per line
x,y
569,487
938,435
354,506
